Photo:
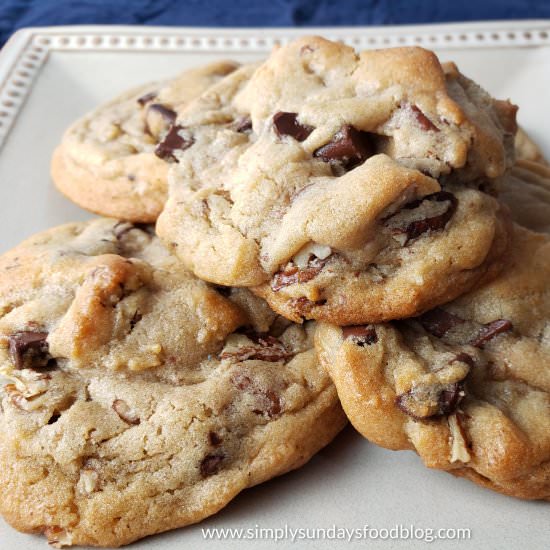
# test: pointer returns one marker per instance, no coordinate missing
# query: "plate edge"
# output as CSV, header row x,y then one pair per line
x,y
28,49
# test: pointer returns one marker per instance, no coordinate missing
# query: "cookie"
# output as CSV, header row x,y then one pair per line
x,y
527,149
106,163
466,385
526,191
340,186
140,398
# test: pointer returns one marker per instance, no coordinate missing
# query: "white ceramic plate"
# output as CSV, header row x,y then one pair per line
x,y
50,76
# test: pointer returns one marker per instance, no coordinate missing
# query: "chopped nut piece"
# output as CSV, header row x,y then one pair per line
x,y
89,481
425,123
459,448
292,274
58,537
267,348
428,220
310,251
125,412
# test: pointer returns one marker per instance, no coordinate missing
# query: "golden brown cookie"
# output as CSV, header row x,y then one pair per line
x,y
140,398
466,385
340,186
106,162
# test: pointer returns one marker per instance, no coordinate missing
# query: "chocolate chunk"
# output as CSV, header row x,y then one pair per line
x,y
144,99
286,124
125,412
360,335
53,418
292,274
211,464
349,147
223,290
165,112
270,403
422,403
425,123
244,125
171,142
214,439
450,398
464,358
438,321
29,349
435,223
490,330
136,318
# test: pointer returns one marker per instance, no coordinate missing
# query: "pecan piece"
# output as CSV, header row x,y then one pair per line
x,y
17,399
425,123
125,412
415,228
292,274
268,348
459,447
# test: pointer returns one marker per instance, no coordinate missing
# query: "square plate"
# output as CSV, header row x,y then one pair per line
x,y
51,76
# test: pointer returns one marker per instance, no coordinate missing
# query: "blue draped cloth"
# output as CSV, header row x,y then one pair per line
x,y
15,14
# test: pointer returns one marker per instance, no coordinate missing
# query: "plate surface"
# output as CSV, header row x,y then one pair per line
x,y
50,76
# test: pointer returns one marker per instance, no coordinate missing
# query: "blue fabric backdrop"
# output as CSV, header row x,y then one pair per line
x,y
15,14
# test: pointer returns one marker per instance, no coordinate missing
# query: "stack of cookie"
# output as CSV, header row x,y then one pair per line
x,y
331,235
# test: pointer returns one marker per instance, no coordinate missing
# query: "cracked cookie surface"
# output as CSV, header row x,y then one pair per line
x,y
141,399
340,186
466,385
106,162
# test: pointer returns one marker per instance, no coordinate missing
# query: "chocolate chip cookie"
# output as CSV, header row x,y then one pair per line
x,y
106,163
340,186
140,399
465,385
526,191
